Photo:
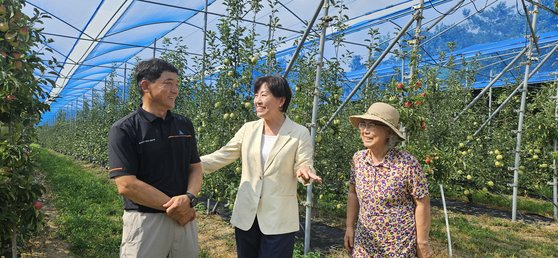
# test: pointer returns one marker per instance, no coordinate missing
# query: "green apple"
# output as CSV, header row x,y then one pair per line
x,y
4,26
537,151
227,61
499,157
544,165
226,116
490,184
253,59
232,115
238,169
461,145
469,177
469,137
466,192
247,105
230,73
535,157
2,9
218,104
496,152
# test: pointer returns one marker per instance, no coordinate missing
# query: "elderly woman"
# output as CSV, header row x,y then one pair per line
x,y
274,152
388,192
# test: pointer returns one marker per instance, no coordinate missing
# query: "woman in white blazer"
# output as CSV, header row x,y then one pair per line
x,y
275,151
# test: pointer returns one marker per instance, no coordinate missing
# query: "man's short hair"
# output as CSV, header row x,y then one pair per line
x,y
278,86
151,70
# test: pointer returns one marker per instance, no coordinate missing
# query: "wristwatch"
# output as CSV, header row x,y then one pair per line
x,y
193,199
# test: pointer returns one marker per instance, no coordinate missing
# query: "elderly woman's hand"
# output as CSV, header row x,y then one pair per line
x,y
424,250
349,239
307,175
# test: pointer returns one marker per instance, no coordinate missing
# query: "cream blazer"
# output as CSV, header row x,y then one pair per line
x,y
268,190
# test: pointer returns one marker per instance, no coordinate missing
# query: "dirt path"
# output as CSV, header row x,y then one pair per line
x,y
46,243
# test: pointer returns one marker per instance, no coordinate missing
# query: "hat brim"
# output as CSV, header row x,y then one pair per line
x,y
357,118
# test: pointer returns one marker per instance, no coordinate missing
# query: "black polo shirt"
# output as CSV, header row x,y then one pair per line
x,y
157,151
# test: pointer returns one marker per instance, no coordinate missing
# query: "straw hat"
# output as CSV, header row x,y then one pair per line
x,y
383,113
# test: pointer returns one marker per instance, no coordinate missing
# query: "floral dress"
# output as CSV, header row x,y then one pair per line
x,y
386,192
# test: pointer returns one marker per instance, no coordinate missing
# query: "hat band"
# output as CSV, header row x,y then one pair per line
x,y
378,115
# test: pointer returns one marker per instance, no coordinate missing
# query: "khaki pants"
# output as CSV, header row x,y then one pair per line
x,y
155,235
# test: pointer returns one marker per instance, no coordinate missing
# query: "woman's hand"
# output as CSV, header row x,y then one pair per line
x,y
349,239
307,175
424,250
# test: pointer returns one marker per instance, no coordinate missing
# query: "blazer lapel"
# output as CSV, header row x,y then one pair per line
x,y
282,138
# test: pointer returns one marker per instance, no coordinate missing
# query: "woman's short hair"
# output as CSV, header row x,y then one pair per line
x,y
393,140
152,69
278,86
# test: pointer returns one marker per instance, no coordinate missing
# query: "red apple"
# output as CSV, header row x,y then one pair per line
x,y
38,205
18,64
400,86
423,94
419,84
24,31
408,104
10,97
423,124
427,160
418,103
16,55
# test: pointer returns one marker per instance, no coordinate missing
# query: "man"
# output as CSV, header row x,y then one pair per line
x,y
156,166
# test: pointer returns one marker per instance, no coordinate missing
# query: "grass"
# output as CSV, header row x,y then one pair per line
x,y
503,202
89,208
90,220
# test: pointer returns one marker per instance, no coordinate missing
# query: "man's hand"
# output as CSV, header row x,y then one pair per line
x,y
349,239
307,175
178,208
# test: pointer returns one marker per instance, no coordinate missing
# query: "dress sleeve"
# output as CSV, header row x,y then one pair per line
x,y
353,169
417,186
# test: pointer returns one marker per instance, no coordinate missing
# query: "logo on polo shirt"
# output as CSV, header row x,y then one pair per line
x,y
145,141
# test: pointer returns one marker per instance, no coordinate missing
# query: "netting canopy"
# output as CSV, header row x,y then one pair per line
x,y
94,38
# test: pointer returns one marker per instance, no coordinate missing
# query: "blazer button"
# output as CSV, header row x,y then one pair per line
x,y
260,177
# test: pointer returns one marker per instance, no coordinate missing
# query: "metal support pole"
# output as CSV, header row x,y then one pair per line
x,y
154,47
489,102
204,54
447,220
125,81
491,83
313,128
555,177
541,63
413,66
401,96
304,36
517,153
369,72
